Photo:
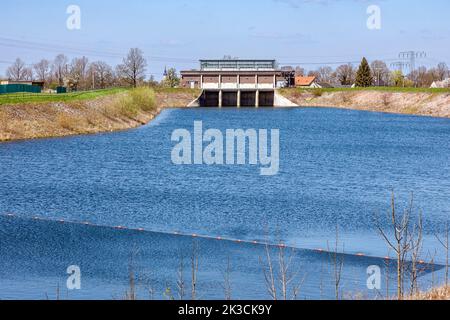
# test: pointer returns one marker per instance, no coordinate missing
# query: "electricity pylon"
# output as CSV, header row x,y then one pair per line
x,y
400,66
412,56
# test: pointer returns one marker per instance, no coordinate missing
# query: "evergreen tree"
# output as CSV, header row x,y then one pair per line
x,y
364,75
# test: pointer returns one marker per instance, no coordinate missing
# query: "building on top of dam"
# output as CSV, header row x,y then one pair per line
x,y
231,83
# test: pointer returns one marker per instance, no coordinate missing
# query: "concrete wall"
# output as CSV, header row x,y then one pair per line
x,y
242,98
230,81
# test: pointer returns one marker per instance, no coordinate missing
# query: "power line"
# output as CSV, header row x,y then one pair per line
x,y
412,56
56,48
329,62
22,44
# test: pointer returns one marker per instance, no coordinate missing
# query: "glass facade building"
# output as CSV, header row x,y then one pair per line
x,y
224,65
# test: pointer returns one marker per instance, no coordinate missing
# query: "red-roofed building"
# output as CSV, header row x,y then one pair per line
x,y
306,82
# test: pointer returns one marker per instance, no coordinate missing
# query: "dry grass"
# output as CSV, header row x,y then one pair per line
x,y
386,99
3,120
416,102
435,294
411,110
134,102
317,92
120,110
71,123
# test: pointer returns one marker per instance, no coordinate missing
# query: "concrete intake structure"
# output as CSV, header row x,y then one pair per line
x,y
237,83
237,98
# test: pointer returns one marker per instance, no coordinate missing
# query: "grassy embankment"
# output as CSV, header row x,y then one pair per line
x,y
415,101
33,116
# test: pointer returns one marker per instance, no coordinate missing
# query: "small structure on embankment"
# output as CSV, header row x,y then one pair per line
x,y
237,83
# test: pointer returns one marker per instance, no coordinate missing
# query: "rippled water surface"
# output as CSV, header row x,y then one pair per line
x,y
337,167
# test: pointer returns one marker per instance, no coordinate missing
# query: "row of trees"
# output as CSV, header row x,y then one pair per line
x,y
81,74
380,74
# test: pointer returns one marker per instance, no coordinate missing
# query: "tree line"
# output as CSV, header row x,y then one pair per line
x,y
375,74
81,74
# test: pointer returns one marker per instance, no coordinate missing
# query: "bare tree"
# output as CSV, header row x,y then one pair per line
x,y
269,274
18,71
421,77
380,72
29,75
416,239
181,286
287,68
313,73
406,242
227,280
345,74
42,70
285,277
325,74
130,294
299,71
387,265
444,243
337,261
133,68
60,68
442,71
102,75
194,269
77,73
146,281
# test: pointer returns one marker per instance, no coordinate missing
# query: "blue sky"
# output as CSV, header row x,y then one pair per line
x,y
177,32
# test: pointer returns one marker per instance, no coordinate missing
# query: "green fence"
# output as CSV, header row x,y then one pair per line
x,y
14,88
60,90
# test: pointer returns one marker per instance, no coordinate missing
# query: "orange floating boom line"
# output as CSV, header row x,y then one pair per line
x,y
280,245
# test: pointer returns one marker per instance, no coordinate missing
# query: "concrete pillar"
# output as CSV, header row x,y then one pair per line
x,y
239,98
220,99
275,81
201,82
257,99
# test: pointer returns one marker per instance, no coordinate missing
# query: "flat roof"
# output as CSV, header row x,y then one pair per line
x,y
231,73
237,60
237,64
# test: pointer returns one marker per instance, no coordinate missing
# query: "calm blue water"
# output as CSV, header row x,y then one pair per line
x,y
337,167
